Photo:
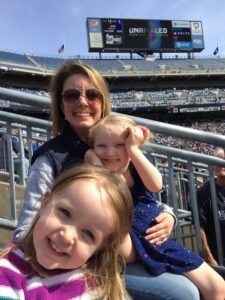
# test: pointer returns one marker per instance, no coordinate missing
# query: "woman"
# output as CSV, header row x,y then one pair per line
x,y
80,98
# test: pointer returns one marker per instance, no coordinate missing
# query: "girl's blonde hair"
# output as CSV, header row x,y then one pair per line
x,y
68,69
105,268
117,120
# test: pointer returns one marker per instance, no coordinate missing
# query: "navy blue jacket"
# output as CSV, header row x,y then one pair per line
x,y
63,151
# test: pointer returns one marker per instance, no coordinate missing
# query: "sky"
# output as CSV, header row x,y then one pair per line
x,y
41,26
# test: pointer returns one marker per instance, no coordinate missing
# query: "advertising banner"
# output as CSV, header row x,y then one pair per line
x,y
135,35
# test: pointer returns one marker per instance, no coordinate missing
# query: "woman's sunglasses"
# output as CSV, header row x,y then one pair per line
x,y
72,95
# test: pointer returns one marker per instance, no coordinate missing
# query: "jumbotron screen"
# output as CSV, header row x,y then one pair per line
x,y
126,35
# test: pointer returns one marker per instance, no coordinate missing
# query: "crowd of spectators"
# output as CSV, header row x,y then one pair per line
x,y
166,97
216,125
150,97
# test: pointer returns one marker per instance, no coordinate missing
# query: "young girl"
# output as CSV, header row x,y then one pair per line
x,y
116,143
72,249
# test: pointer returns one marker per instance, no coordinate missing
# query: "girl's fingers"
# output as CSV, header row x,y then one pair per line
x,y
144,130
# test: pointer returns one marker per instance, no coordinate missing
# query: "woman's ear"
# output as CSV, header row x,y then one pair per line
x,y
45,199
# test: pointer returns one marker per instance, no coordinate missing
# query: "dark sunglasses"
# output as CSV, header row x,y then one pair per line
x,y
72,95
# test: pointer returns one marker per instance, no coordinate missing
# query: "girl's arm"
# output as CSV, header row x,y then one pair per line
x,y
127,250
152,180
148,173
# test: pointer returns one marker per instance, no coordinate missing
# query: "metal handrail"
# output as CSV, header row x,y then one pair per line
x,y
192,160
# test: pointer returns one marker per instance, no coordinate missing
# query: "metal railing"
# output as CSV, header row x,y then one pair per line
x,y
185,170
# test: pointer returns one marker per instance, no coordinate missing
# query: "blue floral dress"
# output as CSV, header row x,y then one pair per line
x,y
169,256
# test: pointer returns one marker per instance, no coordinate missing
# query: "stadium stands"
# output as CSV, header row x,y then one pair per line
x,y
155,85
14,58
49,63
112,65
165,97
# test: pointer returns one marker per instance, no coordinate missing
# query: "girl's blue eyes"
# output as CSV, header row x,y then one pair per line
x,y
65,212
88,234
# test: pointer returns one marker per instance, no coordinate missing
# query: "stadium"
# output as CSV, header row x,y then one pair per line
x,y
171,89
176,93
176,87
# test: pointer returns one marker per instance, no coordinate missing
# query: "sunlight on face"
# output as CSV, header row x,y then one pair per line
x,y
109,146
82,114
72,226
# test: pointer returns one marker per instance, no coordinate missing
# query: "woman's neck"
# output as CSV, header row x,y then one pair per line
x,y
83,134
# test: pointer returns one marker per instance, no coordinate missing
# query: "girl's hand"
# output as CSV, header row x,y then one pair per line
x,y
91,158
145,130
159,233
135,137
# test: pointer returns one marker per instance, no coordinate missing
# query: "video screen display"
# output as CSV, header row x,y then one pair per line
x,y
125,35
113,33
160,36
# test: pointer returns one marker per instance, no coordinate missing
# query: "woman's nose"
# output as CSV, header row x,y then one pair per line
x,y
82,99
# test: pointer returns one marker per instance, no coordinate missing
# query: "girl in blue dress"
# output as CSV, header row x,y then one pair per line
x,y
116,144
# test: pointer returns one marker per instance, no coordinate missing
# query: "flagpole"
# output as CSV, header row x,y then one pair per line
x,y
64,43
217,48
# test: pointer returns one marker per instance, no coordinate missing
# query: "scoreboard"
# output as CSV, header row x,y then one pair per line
x,y
126,35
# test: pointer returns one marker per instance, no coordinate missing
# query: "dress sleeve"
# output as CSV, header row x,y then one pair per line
x,y
163,208
40,179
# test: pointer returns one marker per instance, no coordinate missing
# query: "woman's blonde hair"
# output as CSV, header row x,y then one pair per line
x,y
117,120
105,268
68,69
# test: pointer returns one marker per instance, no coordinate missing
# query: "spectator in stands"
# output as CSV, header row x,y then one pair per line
x,y
16,156
80,98
207,227
16,152
36,144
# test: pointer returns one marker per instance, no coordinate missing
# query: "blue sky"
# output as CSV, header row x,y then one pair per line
x,y
42,26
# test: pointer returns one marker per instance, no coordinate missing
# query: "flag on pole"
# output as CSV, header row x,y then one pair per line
x,y
61,49
216,50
